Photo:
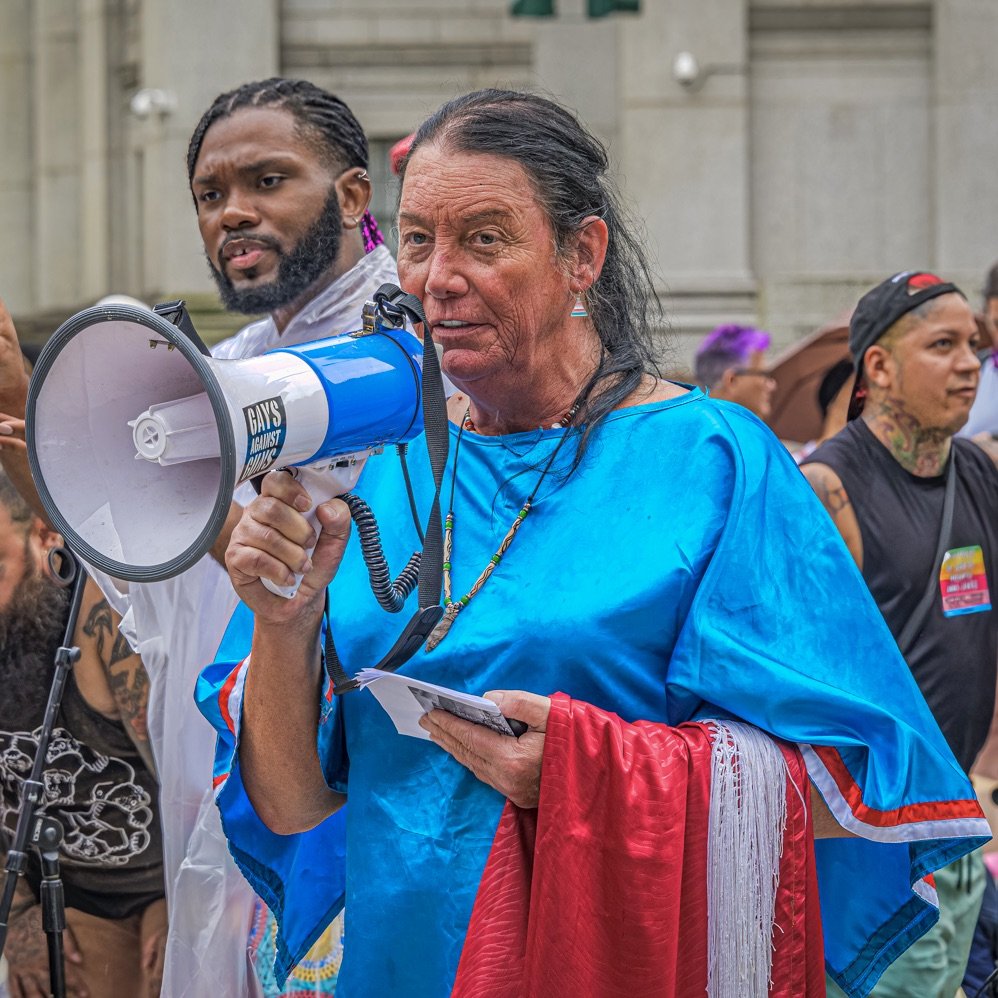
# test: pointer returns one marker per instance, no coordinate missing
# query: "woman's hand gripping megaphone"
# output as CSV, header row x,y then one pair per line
x,y
319,484
275,542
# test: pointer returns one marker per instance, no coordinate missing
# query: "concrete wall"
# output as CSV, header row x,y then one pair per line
x,y
234,40
93,198
841,161
965,149
394,61
16,271
683,152
823,145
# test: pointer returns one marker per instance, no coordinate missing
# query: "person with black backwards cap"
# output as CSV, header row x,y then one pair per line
x,y
918,510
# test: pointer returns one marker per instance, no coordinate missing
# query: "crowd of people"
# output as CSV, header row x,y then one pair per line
x,y
752,692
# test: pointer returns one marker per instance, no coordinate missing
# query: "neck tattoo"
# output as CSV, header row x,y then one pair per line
x,y
921,451
454,607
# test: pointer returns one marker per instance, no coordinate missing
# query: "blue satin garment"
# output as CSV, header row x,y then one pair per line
x,y
684,570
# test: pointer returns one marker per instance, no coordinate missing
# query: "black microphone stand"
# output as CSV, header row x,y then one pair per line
x,y
42,832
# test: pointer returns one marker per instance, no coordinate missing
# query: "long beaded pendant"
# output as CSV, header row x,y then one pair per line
x,y
454,607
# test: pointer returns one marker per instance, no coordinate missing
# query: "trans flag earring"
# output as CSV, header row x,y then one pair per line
x,y
579,308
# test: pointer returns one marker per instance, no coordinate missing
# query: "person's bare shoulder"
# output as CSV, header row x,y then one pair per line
x,y
831,492
988,443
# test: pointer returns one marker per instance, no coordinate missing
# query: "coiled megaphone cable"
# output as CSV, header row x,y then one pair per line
x,y
391,596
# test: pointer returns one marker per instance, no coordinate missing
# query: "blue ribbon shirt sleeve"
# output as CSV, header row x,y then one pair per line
x,y
314,861
784,634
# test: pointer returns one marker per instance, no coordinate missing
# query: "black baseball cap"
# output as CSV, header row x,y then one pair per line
x,y
880,308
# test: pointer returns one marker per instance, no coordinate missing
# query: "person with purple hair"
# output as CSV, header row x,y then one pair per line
x,y
730,364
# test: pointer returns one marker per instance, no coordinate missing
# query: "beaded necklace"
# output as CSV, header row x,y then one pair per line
x,y
454,607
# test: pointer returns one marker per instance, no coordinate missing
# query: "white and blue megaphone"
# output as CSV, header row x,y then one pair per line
x,y
137,438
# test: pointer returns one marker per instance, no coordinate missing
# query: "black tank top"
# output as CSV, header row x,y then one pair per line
x,y
953,658
96,784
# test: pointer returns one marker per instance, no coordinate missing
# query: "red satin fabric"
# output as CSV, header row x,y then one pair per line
x,y
602,891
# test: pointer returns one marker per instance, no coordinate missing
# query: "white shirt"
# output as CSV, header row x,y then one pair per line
x,y
176,626
983,416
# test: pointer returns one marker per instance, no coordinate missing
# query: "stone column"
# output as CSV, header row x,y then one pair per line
x,y
966,140
57,248
94,151
684,156
16,189
576,58
191,52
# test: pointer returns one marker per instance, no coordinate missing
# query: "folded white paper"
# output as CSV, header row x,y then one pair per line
x,y
406,700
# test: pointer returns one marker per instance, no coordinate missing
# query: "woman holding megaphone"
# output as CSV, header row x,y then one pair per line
x,y
633,570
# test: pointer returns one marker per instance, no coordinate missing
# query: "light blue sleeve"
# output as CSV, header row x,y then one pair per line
x,y
784,634
314,861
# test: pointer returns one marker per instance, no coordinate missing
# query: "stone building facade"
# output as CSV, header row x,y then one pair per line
x,y
781,154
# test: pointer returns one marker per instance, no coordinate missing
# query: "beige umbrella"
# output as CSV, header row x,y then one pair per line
x,y
798,372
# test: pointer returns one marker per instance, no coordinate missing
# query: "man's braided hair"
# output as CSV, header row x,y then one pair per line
x,y
322,118
318,112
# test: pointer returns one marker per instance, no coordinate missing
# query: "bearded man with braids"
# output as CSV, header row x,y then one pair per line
x,y
278,173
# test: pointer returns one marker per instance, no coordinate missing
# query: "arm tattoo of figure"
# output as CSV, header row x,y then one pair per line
x,y
111,646
126,676
832,495
834,500
129,684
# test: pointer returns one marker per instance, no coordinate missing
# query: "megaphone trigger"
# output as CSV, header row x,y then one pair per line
x,y
321,484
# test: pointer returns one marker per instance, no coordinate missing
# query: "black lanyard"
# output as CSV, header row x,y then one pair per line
x,y
396,305
911,630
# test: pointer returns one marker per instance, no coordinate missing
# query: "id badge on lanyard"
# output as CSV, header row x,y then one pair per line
x,y
963,582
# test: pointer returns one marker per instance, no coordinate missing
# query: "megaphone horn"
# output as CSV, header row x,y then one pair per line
x,y
136,439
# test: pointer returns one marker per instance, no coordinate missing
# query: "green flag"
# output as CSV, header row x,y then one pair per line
x,y
532,8
600,8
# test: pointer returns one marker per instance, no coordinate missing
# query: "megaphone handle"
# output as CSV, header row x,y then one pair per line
x,y
321,485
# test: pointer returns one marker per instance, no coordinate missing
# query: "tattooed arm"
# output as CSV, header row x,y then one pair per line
x,y
829,489
121,689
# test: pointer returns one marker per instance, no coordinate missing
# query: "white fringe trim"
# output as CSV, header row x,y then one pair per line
x,y
748,814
